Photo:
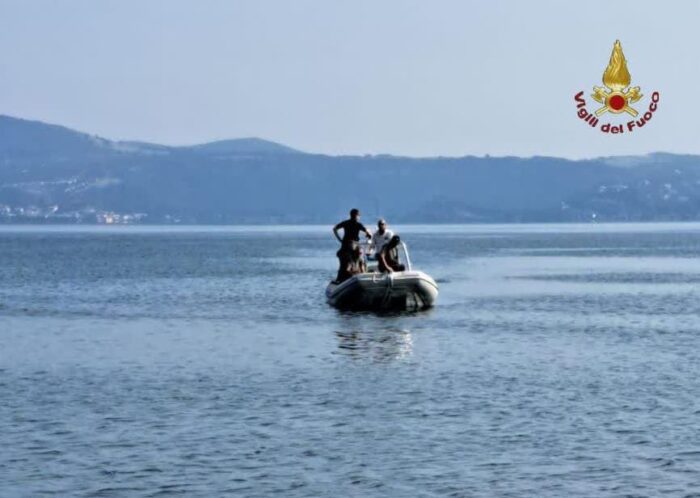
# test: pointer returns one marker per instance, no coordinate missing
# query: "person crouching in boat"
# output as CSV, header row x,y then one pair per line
x,y
388,259
357,262
351,236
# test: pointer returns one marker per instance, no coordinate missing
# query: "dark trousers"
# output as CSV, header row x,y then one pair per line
x,y
344,258
394,265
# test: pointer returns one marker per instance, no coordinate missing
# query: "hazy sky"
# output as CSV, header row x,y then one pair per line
x,y
403,77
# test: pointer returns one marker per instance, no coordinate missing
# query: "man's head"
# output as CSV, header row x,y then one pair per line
x,y
381,225
355,214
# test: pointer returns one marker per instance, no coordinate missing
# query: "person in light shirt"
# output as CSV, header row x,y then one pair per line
x,y
380,238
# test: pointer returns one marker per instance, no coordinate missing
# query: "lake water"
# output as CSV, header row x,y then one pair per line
x,y
560,360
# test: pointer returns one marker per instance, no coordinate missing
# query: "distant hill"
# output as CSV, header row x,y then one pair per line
x,y
53,174
21,138
239,146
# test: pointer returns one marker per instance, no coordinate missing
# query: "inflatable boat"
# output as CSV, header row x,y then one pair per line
x,y
400,290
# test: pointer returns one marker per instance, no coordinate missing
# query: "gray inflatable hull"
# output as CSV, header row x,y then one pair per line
x,y
406,290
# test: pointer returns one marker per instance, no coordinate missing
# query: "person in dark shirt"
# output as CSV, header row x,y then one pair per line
x,y
388,259
351,236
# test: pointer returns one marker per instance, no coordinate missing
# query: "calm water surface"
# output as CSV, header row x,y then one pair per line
x,y
559,361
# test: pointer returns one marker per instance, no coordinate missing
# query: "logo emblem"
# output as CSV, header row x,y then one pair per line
x,y
617,79
617,97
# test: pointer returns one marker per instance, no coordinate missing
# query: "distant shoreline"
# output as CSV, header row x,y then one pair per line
x,y
465,228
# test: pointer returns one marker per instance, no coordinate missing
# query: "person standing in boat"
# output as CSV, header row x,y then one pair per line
x,y
388,258
351,236
380,238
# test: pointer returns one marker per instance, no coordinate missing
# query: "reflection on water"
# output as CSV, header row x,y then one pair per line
x,y
379,345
